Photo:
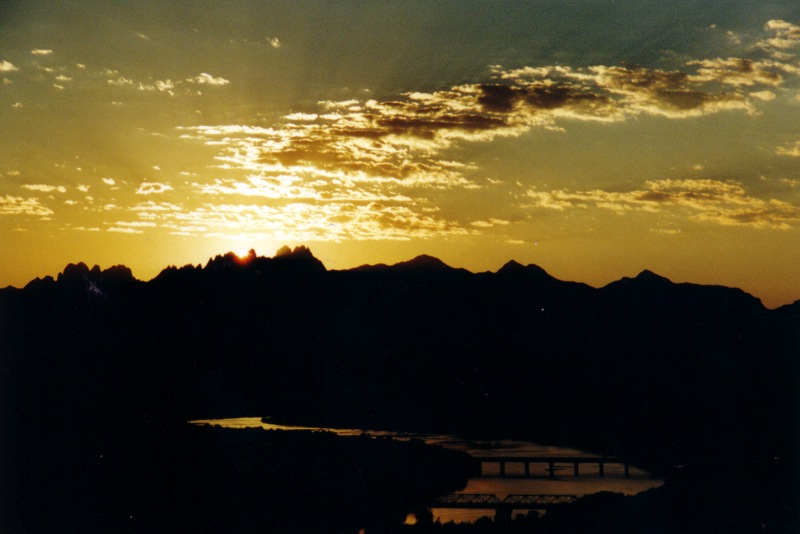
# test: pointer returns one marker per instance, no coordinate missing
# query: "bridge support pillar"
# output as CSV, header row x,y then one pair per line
x,y
602,468
502,469
575,466
552,469
527,469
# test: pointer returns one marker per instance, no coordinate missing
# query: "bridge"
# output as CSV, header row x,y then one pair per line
x,y
502,508
554,463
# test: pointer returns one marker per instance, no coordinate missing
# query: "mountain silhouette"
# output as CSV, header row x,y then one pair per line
x,y
95,362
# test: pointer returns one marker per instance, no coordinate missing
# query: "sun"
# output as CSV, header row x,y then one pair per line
x,y
245,256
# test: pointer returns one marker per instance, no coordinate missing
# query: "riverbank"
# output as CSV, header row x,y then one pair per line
x,y
204,479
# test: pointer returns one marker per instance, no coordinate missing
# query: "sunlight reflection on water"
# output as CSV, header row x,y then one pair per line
x,y
539,482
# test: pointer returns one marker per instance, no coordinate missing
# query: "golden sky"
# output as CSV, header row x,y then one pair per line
x,y
593,138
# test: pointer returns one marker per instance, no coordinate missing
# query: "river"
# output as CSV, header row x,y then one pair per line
x,y
539,482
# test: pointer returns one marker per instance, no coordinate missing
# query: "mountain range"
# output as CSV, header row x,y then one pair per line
x,y
662,374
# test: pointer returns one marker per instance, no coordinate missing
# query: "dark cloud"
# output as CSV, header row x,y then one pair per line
x,y
666,91
419,126
498,97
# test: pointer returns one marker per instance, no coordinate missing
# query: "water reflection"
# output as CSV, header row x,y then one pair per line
x,y
490,480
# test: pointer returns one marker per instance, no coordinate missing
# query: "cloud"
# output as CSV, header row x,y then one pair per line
x,y
722,202
490,223
274,42
672,94
400,140
765,96
125,230
736,72
121,81
151,188
789,149
165,86
786,36
109,181
45,188
6,66
142,36
11,205
372,168
300,221
135,224
41,52
115,79
206,79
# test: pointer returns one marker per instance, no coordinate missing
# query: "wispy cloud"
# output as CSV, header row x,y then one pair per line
x,y
206,79
41,52
490,223
786,36
299,221
44,188
124,230
12,205
7,66
153,188
737,72
789,149
114,79
722,202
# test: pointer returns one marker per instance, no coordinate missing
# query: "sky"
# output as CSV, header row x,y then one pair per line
x,y
592,138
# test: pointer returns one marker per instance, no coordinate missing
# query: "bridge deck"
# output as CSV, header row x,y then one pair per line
x,y
548,459
551,461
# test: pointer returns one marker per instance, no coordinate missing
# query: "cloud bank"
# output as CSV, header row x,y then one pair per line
x,y
369,167
722,202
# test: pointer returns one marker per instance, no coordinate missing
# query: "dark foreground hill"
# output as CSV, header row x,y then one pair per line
x,y
664,374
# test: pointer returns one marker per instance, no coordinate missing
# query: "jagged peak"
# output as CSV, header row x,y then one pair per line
x,y
80,271
300,259
300,251
73,271
283,251
118,272
303,252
